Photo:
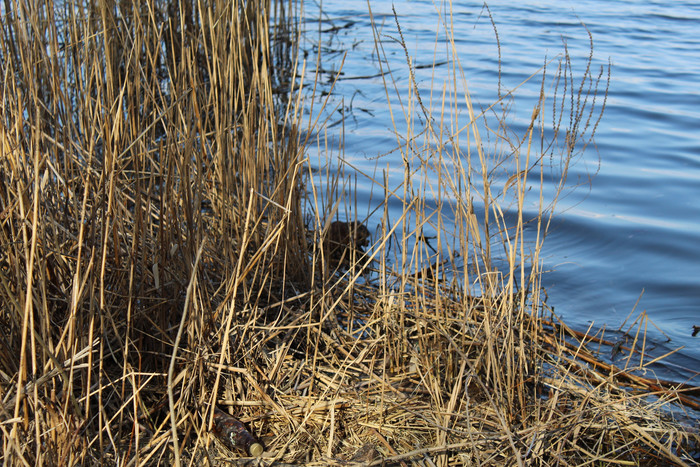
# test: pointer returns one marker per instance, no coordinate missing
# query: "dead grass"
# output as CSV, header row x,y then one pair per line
x,y
156,262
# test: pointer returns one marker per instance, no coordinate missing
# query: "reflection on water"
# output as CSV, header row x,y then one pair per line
x,y
636,227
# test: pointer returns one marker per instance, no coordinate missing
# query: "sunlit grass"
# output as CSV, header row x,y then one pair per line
x,y
167,249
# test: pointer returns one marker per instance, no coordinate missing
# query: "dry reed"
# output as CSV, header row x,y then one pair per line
x,y
157,264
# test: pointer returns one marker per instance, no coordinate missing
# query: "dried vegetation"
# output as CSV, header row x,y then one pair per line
x,y
156,263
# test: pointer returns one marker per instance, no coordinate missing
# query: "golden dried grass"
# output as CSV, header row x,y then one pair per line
x,y
156,264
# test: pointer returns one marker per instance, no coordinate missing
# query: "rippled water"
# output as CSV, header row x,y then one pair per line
x,y
636,227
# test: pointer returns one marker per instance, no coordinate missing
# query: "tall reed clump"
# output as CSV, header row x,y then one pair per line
x,y
157,269
150,199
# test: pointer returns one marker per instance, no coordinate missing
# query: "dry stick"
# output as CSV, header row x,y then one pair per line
x,y
664,387
661,384
171,368
28,308
386,444
419,452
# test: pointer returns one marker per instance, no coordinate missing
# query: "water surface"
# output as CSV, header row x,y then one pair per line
x,y
634,230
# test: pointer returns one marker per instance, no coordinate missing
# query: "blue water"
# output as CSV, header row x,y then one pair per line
x,y
634,229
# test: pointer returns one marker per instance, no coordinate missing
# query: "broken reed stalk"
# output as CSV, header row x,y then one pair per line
x,y
130,135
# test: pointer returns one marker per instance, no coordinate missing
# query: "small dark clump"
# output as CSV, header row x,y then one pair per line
x,y
344,238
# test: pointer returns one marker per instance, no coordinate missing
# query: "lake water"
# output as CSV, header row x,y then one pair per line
x,y
636,227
